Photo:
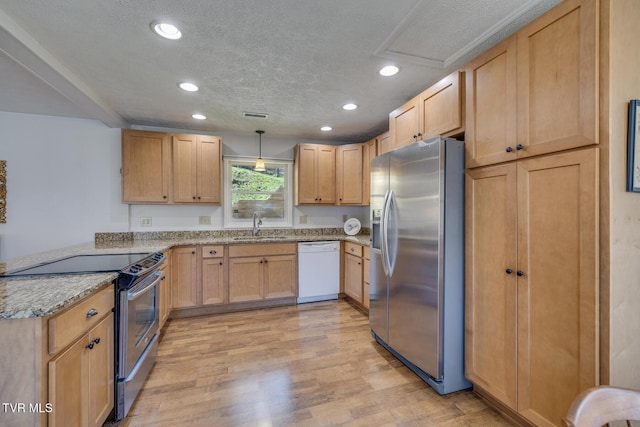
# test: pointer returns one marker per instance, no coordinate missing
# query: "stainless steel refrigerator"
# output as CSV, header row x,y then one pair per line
x,y
417,259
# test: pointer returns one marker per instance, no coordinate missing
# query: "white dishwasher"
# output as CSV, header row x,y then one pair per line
x,y
318,271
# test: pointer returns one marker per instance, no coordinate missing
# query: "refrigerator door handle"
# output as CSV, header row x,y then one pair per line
x,y
391,257
383,234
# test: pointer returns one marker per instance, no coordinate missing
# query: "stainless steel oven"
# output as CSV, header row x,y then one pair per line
x,y
136,329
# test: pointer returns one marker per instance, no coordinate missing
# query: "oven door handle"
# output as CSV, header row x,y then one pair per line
x,y
144,286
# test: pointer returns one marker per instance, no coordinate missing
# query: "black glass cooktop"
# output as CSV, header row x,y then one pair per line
x,y
79,264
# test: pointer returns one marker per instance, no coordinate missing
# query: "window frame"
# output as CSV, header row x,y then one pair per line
x,y
229,221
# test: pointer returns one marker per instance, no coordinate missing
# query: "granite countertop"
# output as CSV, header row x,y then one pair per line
x,y
46,295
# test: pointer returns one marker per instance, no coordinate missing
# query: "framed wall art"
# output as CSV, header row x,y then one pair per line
x,y
633,147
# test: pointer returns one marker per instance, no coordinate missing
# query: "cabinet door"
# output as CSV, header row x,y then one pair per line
x,y
441,107
185,166
164,306
68,386
490,292
305,171
557,292
385,143
213,281
209,160
490,135
326,174
246,279
184,272
370,152
557,79
404,124
146,167
353,276
349,167
280,278
101,371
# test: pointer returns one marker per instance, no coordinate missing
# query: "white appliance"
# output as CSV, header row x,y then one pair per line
x,y
318,271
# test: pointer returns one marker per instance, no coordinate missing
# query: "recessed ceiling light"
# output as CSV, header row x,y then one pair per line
x,y
389,70
349,107
189,87
326,128
199,116
168,31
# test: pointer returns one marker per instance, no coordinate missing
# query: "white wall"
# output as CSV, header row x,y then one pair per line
x,y
63,185
63,182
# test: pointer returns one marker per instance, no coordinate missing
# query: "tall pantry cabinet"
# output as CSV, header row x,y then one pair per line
x,y
532,215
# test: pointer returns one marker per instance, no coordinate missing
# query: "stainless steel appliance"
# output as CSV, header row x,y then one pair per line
x,y
136,328
417,264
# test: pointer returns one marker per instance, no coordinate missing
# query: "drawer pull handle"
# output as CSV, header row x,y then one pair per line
x,y
91,313
213,252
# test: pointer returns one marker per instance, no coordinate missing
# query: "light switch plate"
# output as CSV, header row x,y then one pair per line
x,y
204,220
145,221
345,218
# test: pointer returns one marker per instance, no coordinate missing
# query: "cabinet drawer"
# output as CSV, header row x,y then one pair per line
x,y
353,248
261,249
77,320
216,251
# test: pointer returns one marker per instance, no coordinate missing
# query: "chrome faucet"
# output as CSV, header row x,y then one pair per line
x,y
256,226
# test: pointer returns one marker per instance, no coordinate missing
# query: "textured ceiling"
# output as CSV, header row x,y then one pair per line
x,y
297,60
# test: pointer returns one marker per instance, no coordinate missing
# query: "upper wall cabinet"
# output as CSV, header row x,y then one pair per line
x,y
146,167
349,167
196,169
150,174
557,79
535,92
314,174
491,106
384,142
436,111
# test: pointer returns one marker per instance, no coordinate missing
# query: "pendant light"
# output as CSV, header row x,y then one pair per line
x,y
260,163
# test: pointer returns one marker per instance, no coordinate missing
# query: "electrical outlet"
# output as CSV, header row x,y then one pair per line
x,y
345,218
303,219
204,220
145,221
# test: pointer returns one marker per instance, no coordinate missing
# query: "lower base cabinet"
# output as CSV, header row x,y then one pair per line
x,y
262,271
81,379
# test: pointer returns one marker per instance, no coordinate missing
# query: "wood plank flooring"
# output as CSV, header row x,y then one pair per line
x,y
306,365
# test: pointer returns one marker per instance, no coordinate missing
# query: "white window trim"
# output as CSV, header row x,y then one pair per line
x,y
229,222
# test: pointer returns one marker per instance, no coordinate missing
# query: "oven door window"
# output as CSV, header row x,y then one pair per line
x,y
142,315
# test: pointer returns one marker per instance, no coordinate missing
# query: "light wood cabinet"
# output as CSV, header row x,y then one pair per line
x,y
404,124
166,292
314,174
490,135
531,282
81,378
438,110
353,271
146,167
558,79
370,152
213,284
262,271
350,171
196,169
441,107
366,271
385,143
159,167
536,92
184,276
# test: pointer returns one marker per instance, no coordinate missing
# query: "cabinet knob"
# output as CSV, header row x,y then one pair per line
x,y
419,134
508,149
520,273
92,312
260,261
193,252
519,147
220,262
89,346
164,197
199,197
213,252
97,340
509,270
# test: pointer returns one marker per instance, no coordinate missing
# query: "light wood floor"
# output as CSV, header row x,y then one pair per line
x,y
307,365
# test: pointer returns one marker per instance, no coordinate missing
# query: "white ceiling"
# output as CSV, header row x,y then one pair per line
x,y
297,60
